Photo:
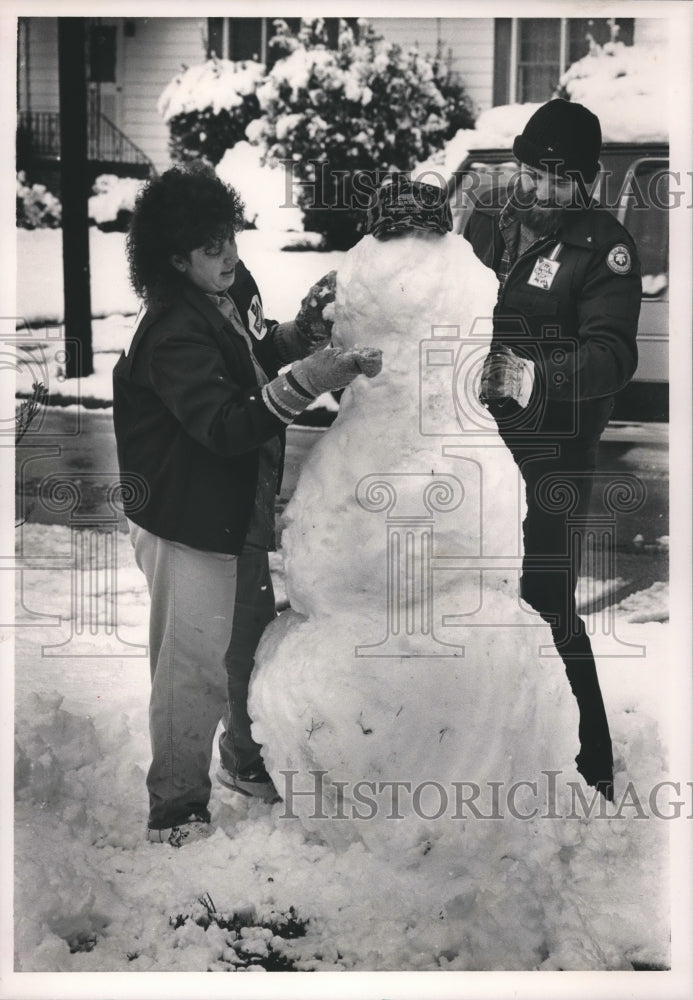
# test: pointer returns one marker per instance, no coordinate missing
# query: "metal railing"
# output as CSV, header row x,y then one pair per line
x,y
38,137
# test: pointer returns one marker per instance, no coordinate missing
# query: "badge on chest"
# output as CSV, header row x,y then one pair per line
x,y
545,270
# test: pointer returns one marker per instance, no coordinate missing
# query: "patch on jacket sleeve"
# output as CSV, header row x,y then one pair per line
x,y
256,318
619,259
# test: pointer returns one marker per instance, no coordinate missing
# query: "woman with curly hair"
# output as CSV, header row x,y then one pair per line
x,y
200,412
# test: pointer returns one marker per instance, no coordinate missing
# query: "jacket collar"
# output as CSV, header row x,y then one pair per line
x,y
191,296
198,300
577,227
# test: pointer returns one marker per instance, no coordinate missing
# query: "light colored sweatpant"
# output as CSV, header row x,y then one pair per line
x,y
208,611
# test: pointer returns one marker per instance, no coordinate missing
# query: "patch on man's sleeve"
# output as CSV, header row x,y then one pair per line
x,y
619,259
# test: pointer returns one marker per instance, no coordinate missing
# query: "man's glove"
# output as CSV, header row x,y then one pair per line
x,y
314,321
333,368
506,376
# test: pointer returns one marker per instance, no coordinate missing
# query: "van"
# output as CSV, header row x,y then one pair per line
x,y
633,183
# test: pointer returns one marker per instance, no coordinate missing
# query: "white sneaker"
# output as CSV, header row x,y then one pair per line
x,y
194,828
258,785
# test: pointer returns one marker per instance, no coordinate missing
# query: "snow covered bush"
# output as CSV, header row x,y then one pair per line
x,y
262,188
208,106
113,201
339,117
625,85
37,208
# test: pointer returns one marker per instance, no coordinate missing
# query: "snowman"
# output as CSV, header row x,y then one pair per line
x,y
407,681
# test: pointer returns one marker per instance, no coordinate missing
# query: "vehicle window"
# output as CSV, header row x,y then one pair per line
x,y
643,211
640,203
475,185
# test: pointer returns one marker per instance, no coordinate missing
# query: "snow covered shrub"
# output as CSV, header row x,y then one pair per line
x,y
342,117
251,940
625,85
113,201
37,208
208,106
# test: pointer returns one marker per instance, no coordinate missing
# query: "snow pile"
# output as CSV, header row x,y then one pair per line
x,y
218,84
626,86
267,192
112,195
651,605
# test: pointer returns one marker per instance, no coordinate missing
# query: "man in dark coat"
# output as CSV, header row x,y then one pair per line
x,y
564,343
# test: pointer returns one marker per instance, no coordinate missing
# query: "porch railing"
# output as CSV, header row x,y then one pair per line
x,y
38,138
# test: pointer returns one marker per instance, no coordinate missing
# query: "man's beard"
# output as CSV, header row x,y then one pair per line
x,y
541,219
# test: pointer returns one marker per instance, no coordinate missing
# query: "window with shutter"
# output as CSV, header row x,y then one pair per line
x,y
246,38
102,53
538,58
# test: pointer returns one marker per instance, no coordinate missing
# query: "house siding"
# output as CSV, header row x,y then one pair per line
x,y
147,61
151,58
39,65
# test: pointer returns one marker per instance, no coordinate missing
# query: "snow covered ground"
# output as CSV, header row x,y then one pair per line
x,y
91,895
283,278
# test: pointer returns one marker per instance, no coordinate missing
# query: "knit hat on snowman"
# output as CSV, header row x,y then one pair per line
x,y
402,205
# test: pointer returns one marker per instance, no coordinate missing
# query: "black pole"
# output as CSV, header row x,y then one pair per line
x,y
74,194
332,30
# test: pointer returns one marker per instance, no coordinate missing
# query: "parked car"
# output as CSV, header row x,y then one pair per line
x,y
633,182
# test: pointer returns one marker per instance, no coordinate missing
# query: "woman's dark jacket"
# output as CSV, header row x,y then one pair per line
x,y
189,417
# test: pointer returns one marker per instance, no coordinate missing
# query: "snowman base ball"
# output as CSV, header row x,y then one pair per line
x,y
400,752
408,656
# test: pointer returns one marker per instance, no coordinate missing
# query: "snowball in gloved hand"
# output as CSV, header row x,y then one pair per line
x,y
315,318
369,359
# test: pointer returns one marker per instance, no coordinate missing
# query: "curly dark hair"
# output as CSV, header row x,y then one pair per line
x,y
179,211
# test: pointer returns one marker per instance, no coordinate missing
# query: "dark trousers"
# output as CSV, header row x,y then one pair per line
x,y
558,477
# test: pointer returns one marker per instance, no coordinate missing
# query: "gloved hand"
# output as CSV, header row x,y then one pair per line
x,y
334,368
312,325
506,376
290,393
